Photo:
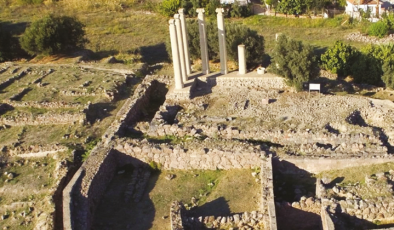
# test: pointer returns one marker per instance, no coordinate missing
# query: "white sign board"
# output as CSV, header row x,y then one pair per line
x,y
314,87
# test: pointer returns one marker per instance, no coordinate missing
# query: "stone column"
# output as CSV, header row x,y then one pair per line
x,y
203,41
179,37
241,59
222,41
175,56
185,41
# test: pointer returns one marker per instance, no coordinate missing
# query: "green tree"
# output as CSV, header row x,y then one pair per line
x,y
388,74
294,61
367,69
52,34
169,7
238,11
338,59
291,6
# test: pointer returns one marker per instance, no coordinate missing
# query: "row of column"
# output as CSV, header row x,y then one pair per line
x,y
180,47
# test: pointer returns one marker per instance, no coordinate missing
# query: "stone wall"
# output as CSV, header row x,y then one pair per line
x,y
84,191
267,201
318,165
35,149
246,220
176,212
43,119
358,37
45,105
10,80
131,109
311,143
176,157
266,81
326,220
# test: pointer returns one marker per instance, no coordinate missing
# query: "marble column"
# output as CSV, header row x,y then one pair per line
x,y
185,41
203,40
241,59
222,41
179,37
175,55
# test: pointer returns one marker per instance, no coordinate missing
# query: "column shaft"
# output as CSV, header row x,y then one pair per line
x,y
222,41
203,41
175,56
241,59
185,41
179,38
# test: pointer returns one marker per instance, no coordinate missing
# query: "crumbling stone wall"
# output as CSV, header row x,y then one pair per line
x,y
327,222
308,142
45,105
131,109
170,157
84,191
34,149
267,201
359,37
317,165
43,119
234,80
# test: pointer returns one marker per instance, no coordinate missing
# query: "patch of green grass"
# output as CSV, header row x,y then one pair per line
x,y
353,175
321,33
231,190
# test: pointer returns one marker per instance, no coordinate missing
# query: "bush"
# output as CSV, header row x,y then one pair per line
x,y
169,7
388,74
238,11
378,29
294,61
367,69
52,35
338,59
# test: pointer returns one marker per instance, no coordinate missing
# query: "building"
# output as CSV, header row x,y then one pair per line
x,y
354,7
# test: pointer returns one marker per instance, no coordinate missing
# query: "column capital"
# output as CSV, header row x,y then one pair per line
x,y
219,10
171,21
177,16
200,10
181,11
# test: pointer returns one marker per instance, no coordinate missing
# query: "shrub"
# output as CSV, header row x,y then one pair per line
x,y
367,69
388,74
388,19
238,11
378,29
294,61
338,59
384,53
169,7
51,35
210,8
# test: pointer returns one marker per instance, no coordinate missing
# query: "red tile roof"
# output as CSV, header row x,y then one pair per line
x,y
364,2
